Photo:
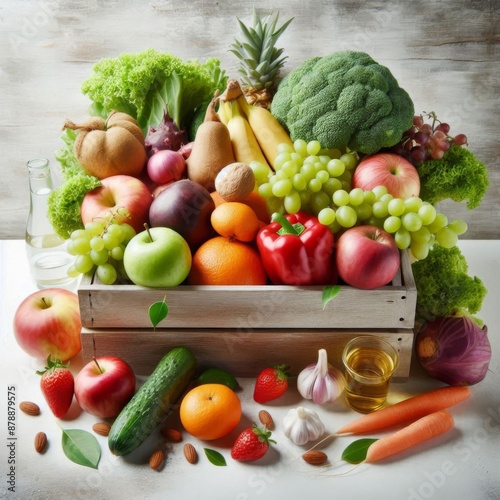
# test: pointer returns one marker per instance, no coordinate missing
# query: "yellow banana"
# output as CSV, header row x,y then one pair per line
x,y
222,113
245,146
266,128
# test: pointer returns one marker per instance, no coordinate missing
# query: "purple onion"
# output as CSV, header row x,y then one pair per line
x,y
454,350
165,136
166,166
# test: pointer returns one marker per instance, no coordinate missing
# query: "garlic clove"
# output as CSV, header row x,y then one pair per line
x,y
306,381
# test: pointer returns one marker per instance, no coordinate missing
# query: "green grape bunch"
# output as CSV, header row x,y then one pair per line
x,y
414,224
100,246
305,177
318,181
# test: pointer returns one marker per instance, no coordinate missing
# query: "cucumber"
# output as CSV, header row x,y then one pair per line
x,y
152,402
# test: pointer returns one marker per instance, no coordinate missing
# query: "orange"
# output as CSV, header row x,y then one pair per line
x,y
253,200
235,221
220,261
210,411
218,199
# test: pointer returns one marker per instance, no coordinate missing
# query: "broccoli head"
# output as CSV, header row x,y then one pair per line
x,y
458,176
444,286
345,99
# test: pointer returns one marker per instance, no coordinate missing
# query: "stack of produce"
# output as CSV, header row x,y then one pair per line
x,y
181,175
235,184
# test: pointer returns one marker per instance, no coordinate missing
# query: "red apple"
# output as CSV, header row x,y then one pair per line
x,y
104,386
119,191
394,172
367,257
48,322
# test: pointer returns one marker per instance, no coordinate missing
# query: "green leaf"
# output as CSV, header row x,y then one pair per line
x,y
355,453
329,293
81,447
215,457
158,311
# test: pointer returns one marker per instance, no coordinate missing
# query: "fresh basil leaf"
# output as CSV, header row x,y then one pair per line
x,y
355,453
158,311
329,293
81,447
215,457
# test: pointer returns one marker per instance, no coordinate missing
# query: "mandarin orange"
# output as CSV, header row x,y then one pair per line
x,y
235,221
210,411
253,200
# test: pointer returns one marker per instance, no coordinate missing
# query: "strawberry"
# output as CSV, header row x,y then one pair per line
x,y
57,385
271,383
251,444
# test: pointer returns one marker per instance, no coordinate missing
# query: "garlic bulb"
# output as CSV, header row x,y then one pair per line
x,y
302,425
321,382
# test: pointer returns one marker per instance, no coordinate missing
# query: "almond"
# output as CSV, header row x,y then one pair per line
x,y
29,408
156,459
40,442
190,453
101,428
315,457
266,419
172,435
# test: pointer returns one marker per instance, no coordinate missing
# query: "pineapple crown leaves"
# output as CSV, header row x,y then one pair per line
x,y
260,60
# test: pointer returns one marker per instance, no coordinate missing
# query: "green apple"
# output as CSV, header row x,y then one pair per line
x,y
157,257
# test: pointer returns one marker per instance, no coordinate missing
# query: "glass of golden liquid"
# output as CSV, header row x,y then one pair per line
x,y
369,363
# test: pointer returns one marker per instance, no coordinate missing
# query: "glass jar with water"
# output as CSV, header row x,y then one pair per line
x,y
49,261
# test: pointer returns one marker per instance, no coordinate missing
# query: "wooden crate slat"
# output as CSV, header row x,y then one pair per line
x,y
242,353
248,307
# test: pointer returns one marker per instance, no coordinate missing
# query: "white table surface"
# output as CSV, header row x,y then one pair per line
x,y
463,464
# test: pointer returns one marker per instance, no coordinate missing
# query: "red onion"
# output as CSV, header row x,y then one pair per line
x,y
454,350
166,166
165,136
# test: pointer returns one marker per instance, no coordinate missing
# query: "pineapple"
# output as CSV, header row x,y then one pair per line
x,y
260,61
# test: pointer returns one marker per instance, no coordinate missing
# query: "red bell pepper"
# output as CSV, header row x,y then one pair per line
x,y
297,250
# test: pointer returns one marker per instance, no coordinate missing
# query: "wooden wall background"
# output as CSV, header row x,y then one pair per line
x,y
445,54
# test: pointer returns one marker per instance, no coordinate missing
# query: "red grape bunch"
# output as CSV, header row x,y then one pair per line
x,y
425,141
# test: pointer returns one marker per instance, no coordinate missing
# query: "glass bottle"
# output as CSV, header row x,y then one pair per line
x,y
48,259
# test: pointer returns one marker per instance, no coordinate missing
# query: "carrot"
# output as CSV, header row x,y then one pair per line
x,y
410,409
425,428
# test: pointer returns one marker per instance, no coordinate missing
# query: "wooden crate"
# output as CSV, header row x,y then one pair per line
x,y
243,328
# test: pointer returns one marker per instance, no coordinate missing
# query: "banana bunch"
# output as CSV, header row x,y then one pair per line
x,y
255,133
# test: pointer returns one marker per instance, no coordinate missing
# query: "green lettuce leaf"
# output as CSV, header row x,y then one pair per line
x,y
147,84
